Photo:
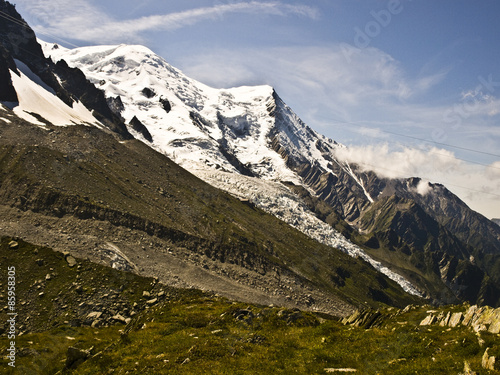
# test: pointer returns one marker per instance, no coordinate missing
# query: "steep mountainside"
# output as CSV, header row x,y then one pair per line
x,y
236,138
80,189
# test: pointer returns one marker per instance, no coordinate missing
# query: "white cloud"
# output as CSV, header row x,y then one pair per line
x,y
80,20
476,185
423,187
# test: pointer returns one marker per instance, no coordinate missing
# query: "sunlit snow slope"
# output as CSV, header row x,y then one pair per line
x,y
37,98
223,136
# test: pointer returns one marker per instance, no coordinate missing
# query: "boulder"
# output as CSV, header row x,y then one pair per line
x,y
70,260
445,320
119,319
430,319
467,369
488,362
94,315
494,321
469,315
455,319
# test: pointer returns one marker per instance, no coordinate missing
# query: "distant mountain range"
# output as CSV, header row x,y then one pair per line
x,y
100,147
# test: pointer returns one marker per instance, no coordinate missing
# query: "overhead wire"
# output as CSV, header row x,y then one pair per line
x,y
25,25
438,143
397,172
374,167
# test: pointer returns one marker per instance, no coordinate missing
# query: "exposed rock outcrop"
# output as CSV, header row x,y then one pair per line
x,y
488,362
69,84
139,127
7,91
365,319
477,318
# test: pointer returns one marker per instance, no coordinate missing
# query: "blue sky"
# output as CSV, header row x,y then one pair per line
x,y
412,86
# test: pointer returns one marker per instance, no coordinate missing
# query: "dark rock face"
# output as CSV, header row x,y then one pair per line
x,y
148,93
435,232
7,91
140,128
166,105
20,42
75,81
116,105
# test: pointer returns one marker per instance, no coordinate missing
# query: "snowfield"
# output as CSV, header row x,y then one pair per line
x,y
35,97
205,130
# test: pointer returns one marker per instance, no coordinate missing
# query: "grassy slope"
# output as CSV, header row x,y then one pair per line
x,y
218,336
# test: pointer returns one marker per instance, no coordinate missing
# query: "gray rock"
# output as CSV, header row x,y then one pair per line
x,y
467,369
430,319
445,320
488,362
469,315
455,319
119,318
152,301
70,260
94,315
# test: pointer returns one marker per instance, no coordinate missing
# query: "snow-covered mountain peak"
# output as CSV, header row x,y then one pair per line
x,y
196,125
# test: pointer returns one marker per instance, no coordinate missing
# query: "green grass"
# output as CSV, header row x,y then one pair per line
x,y
193,332
217,343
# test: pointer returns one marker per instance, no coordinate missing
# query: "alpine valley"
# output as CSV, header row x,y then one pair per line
x,y
155,189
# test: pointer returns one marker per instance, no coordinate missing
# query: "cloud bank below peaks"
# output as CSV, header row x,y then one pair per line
x,y
433,165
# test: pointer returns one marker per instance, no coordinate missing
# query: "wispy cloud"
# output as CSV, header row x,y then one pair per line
x,y
80,20
336,89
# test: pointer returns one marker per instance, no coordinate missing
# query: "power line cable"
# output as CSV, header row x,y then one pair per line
x,y
25,25
425,140
444,144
